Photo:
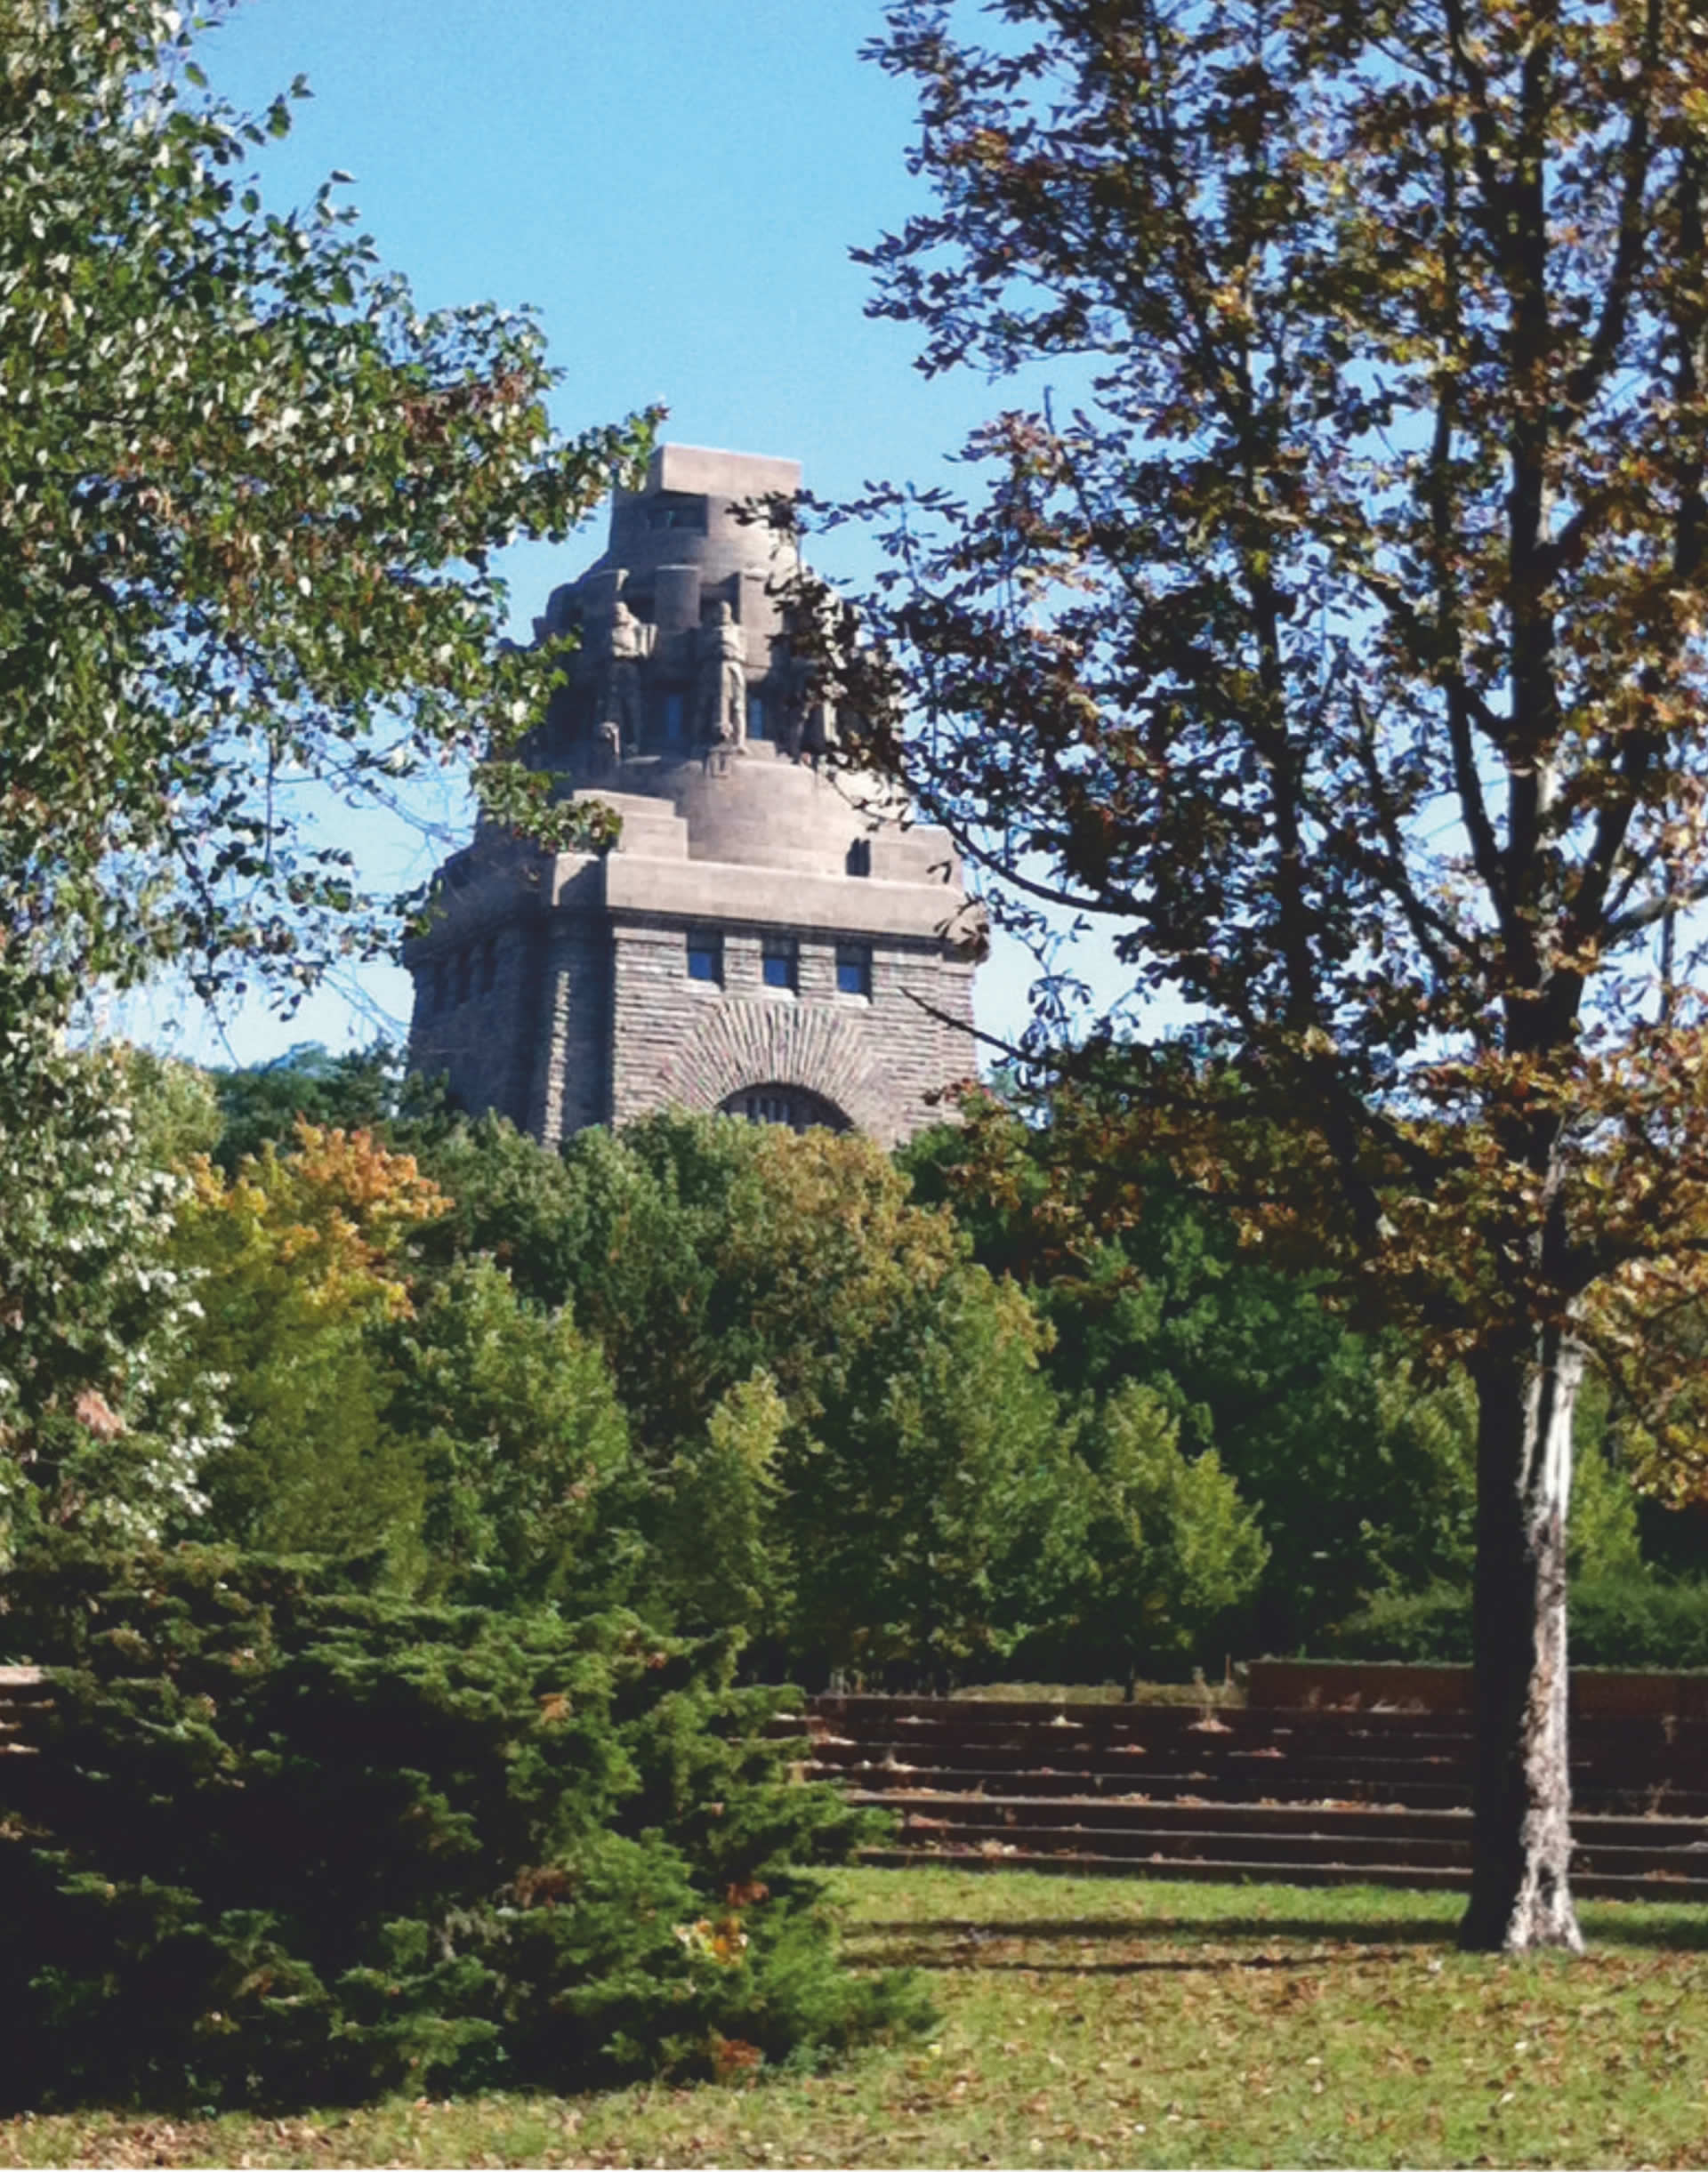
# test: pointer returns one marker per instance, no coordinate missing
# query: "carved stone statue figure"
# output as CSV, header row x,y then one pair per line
x,y
796,708
622,695
723,683
819,732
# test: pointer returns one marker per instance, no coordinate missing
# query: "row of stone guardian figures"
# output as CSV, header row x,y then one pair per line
x,y
808,724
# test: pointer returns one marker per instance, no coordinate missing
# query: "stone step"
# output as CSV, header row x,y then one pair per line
x,y
1276,1782
1683,1738
25,1695
1150,1844
1393,1825
1177,1756
1649,1740
1332,1841
1147,1728
1150,1786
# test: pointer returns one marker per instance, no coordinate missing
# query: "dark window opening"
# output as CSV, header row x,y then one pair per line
x,y
794,1106
780,963
675,718
441,986
854,969
705,957
755,716
489,965
668,510
464,974
859,856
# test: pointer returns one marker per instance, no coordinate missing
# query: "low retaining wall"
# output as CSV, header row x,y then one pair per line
x,y
1363,1686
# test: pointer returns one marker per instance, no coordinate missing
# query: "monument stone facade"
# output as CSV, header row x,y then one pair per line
x,y
769,936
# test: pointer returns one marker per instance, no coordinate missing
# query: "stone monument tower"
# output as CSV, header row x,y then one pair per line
x,y
768,936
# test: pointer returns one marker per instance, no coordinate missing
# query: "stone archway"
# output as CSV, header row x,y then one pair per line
x,y
777,1102
738,1047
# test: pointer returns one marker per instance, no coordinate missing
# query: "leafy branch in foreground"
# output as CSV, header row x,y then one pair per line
x,y
248,496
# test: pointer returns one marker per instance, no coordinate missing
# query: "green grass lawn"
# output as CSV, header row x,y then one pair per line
x,y
1104,2021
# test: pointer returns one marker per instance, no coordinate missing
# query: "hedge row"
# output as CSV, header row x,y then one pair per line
x,y
1628,1622
293,1842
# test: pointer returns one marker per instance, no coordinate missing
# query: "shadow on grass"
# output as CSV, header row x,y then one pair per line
x,y
918,1954
1641,1923
948,1942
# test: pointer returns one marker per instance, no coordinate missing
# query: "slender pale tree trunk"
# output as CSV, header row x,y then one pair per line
x,y
1521,1829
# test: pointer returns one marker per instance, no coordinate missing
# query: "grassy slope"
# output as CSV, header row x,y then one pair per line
x,y
1090,2021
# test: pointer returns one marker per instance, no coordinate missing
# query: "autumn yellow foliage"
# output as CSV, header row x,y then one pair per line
x,y
303,1253
332,1216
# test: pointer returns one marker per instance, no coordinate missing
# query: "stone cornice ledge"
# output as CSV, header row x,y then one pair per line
x,y
719,891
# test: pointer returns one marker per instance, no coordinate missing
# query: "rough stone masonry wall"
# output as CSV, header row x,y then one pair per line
x,y
591,1018
481,1036
570,1042
691,1043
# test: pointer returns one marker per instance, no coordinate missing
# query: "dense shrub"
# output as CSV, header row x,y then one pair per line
x,y
1433,1625
1615,1621
296,1841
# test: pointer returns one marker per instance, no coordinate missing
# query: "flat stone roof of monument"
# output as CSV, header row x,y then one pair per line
x,y
702,471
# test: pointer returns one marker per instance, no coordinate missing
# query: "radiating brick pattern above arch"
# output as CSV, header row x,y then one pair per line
x,y
739,1044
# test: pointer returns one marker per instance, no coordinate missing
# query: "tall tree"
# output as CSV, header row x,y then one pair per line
x,y
1336,640
107,1415
1172,1546
302,1259
1359,1474
248,493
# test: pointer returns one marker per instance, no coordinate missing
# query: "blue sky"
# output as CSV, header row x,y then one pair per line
x,y
675,187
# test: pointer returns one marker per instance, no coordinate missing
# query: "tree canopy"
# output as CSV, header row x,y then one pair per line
x,y
251,497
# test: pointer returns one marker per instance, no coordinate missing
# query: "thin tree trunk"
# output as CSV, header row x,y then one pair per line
x,y
1522,1841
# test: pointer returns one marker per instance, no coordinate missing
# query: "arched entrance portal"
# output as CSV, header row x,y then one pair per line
x,y
774,1103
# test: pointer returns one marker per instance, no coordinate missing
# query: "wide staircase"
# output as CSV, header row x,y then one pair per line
x,y
1293,1793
